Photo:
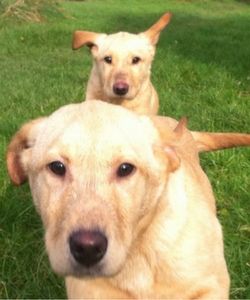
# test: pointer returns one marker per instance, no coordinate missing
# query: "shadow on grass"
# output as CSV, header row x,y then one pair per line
x,y
244,1
223,42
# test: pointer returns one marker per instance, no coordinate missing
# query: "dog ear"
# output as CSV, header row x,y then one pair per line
x,y
173,158
181,127
171,133
170,150
82,38
154,31
18,149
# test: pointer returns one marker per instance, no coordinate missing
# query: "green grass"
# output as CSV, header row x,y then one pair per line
x,y
201,70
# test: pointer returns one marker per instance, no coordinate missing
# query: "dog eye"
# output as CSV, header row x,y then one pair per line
x,y
125,169
136,60
57,168
108,59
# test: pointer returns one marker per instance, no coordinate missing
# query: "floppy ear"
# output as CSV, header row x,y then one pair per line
x,y
82,38
154,31
170,149
171,133
20,145
173,158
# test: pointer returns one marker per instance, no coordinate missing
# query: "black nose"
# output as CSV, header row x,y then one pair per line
x,y
88,247
120,88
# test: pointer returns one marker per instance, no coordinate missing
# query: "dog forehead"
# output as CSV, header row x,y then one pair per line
x,y
124,42
96,126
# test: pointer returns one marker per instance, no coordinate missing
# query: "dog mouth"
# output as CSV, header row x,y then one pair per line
x,y
87,253
80,271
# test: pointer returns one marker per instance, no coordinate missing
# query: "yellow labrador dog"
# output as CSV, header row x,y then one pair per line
x,y
121,66
127,210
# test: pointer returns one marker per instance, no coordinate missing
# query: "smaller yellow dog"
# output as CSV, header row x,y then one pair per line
x,y
121,66
127,210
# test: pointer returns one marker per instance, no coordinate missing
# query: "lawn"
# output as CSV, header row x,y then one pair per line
x,y
201,70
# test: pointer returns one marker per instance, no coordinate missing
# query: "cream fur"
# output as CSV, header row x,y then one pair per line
x,y
122,48
164,239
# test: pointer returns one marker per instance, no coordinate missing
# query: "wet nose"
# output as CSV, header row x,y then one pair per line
x,y
120,88
88,247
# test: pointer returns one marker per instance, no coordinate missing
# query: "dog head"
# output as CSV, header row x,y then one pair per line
x,y
96,172
122,61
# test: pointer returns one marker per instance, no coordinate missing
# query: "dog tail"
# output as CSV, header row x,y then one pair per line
x,y
207,141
